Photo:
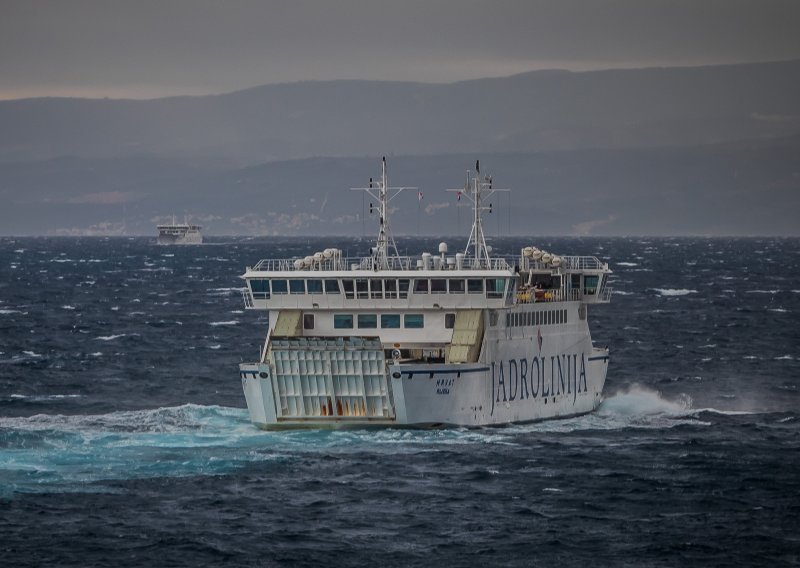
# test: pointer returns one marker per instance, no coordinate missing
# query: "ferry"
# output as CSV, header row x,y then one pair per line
x,y
443,340
179,233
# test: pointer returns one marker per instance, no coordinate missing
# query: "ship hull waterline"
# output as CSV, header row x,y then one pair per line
x,y
510,390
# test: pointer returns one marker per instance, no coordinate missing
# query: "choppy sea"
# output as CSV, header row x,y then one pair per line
x,y
124,439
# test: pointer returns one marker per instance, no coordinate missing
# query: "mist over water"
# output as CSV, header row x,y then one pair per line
x,y
124,438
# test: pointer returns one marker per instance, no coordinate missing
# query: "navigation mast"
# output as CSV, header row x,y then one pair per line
x,y
477,190
385,241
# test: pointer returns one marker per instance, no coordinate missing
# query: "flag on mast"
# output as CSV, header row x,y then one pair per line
x,y
419,195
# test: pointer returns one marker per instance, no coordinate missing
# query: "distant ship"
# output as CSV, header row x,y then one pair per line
x,y
179,234
467,339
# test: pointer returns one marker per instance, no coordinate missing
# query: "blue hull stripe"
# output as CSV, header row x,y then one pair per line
x,y
458,372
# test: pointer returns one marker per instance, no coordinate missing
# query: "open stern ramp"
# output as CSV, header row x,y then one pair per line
x,y
317,381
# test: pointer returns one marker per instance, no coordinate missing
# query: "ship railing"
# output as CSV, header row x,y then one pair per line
x,y
582,263
373,263
370,263
248,299
535,296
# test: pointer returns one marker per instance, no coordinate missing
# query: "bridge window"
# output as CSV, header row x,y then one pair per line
x,y
343,321
449,321
421,286
403,284
314,286
414,321
589,284
308,321
376,289
390,321
367,321
475,286
438,286
495,287
390,289
332,287
279,287
362,288
297,286
456,286
348,289
260,288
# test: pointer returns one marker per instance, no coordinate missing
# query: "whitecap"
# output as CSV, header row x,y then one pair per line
x,y
785,358
31,354
231,322
43,397
627,264
674,291
762,292
778,310
110,337
623,293
67,307
215,347
7,312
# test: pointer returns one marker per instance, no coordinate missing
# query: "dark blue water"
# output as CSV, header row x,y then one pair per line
x,y
124,439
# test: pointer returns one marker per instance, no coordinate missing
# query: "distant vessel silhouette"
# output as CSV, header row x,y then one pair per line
x,y
179,233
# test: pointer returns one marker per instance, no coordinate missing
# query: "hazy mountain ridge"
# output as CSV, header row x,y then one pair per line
x,y
745,187
537,111
706,150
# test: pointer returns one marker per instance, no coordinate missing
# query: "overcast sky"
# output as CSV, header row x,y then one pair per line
x,y
147,48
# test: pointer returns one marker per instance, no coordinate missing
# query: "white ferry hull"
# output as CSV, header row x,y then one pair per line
x,y
194,238
521,383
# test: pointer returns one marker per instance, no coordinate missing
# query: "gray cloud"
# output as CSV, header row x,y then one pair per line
x,y
153,48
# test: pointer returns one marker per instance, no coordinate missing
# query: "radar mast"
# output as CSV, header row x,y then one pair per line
x,y
380,190
478,190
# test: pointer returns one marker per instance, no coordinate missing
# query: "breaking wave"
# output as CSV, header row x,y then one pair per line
x,y
674,291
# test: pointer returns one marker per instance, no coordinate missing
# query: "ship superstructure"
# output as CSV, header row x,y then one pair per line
x,y
179,233
464,339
